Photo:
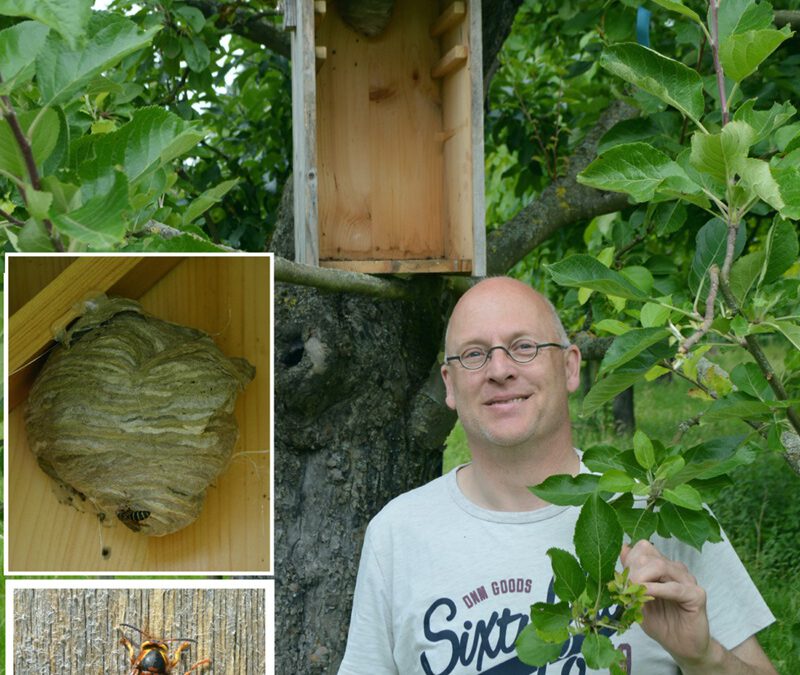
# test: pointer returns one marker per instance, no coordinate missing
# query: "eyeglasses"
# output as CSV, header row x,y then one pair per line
x,y
521,351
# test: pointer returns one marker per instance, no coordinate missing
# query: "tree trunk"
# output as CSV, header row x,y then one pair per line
x,y
348,437
622,408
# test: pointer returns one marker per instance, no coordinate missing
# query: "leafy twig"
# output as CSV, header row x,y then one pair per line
x,y
752,345
692,340
30,163
723,102
10,218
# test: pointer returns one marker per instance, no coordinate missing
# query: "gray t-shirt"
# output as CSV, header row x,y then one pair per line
x,y
444,587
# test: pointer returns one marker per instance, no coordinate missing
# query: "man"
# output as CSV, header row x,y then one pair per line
x,y
449,570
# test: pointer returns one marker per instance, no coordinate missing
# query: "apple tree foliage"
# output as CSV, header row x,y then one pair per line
x,y
114,132
709,147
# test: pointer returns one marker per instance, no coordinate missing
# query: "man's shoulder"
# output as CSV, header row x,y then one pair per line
x,y
421,503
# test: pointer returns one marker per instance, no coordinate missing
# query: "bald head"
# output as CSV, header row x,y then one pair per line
x,y
471,308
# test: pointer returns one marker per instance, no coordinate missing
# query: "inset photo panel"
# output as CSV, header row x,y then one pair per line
x,y
138,414
59,626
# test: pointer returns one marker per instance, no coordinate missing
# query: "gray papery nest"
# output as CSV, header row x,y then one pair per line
x,y
134,415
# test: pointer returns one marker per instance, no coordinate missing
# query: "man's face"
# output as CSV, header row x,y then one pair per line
x,y
508,404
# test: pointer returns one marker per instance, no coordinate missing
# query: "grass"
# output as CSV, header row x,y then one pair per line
x,y
760,512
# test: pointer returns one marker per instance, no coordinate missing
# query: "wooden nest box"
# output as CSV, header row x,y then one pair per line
x,y
388,137
227,297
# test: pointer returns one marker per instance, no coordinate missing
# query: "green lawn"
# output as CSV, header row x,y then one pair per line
x,y
760,512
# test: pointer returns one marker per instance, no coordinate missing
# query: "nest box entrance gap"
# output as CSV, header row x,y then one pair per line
x,y
388,134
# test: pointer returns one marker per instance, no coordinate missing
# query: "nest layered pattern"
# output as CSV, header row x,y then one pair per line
x,y
135,415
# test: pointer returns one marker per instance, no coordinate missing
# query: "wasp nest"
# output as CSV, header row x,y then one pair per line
x,y
135,415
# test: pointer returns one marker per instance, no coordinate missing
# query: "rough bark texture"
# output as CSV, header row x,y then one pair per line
x,y
359,412
348,369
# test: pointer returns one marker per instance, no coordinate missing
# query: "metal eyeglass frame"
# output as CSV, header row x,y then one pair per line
x,y
489,351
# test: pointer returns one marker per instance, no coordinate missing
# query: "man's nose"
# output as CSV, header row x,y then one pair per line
x,y
500,365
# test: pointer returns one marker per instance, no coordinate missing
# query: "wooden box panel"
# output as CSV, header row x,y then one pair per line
x,y
228,297
389,140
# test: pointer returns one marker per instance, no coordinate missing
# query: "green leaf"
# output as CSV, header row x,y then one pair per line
x,y
714,458
99,222
748,378
790,330
63,71
740,16
758,178
196,53
788,179
764,122
192,16
782,250
691,527
741,53
643,449
680,8
551,620
637,169
598,651
33,238
38,203
684,495
569,581
638,523
615,480
639,276
669,80
736,406
42,142
68,17
720,154
601,458
566,490
745,272
654,315
19,46
585,271
612,326
534,651
669,217
628,346
206,200
711,242
152,138
598,539
607,388
669,467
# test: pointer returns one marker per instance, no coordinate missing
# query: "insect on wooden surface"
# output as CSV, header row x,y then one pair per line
x,y
154,654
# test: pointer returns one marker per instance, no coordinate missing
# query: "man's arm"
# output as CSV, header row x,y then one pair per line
x,y
677,619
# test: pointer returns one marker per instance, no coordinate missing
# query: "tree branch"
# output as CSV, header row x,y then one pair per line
x,y
711,298
562,203
341,281
245,23
787,17
752,345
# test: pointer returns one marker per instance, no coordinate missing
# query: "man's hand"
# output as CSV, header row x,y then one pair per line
x,y
676,618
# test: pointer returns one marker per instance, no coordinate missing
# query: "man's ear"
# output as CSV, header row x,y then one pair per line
x,y
572,367
449,398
